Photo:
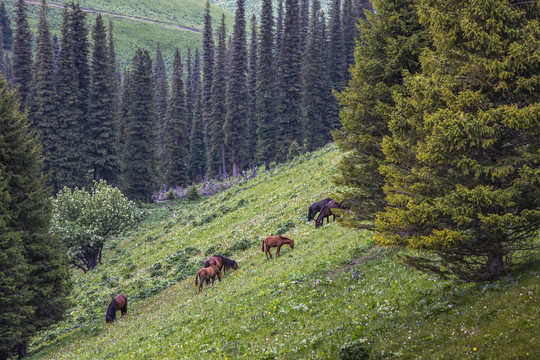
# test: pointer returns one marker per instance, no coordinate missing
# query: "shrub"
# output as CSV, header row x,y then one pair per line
x,y
355,350
193,193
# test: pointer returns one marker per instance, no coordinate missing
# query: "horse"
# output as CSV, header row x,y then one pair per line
x,y
326,212
316,207
118,303
207,273
275,241
222,262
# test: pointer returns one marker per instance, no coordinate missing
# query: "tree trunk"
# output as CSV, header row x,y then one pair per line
x,y
22,350
223,159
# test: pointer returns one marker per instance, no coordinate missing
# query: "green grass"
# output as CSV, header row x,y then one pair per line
x,y
334,292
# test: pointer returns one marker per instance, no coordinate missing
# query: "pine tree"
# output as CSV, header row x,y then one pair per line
x,y
237,112
197,157
176,133
2,63
251,140
207,73
114,68
102,151
122,117
42,99
69,169
56,51
316,83
22,54
289,112
80,55
304,22
279,35
28,200
392,41
349,21
462,179
140,161
5,27
190,96
336,52
216,141
162,95
265,91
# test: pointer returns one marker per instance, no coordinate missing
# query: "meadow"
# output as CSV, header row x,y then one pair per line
x,y
335,295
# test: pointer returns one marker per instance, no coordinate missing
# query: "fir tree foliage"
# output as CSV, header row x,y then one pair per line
x,y
207,74
197,158
463,158
22,54
252,99
6,32
162,95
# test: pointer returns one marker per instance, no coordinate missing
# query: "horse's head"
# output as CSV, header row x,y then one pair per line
x,y
108,319
292,244
235,265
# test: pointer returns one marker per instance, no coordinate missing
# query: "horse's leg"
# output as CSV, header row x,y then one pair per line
x,y
277,251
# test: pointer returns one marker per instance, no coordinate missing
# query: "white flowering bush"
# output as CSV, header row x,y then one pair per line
x,y
84,220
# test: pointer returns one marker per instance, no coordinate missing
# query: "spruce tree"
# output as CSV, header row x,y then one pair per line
x,y
237,112
304,22
190,96
22,54
79,32
2,63
69,169
251,140
102,151
140,154
279,35
28,223
462,178
207,73
162,94
56,51
5,27
289,111
336,52
176,133
265,91
114,67
197,156
349,21
122,117
216,141
392,41
42,100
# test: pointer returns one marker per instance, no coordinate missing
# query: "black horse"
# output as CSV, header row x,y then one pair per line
x,y
221,262
316,207
118,303
326,212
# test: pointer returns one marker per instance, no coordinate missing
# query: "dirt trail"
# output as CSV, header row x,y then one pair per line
x,y
120,16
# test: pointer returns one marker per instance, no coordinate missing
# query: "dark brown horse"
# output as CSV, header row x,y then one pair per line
x,y
118,303
222,262
275,241
316,207
326,212
207,273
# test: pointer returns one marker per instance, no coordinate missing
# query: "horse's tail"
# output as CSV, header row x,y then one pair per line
x,y
262,249
196,279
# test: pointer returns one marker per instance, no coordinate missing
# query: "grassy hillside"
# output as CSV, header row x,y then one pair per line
x,y
144,23
334,293
254,6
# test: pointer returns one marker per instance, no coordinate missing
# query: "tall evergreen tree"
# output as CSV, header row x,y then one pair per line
x,y
336,52
28,200
197,156
8,74
462,179
289,111
176,133
316,83
190,96
251,140
56,51
349,21
6,32
42,100
304,22
216,141
2,56
392,41
265,105
279,34
237,112
122,117
69,168
207,73
22,54
140,155
102,151
80,55
114,68
162,95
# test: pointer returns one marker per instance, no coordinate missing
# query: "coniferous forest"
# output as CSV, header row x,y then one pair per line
x,y
434,107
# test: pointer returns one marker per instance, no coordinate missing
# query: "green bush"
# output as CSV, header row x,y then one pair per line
x,y
354,350
193,194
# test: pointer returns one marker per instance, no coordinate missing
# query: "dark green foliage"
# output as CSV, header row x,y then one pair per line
x,y
391,43
190,96
354,350
140,157
462,172
102,152
282,228
114,67
80,55
235,126
197,158
5,26
336,63
252,99
216,140
304,22
22,54
193,193
265,90
279,37
162,95
42,99
207,74
349,20
176,132
25,210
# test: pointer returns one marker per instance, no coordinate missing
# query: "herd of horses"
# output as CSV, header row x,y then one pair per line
x,y
214,265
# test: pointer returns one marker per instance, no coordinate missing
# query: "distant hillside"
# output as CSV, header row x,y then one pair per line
x,y
144,23
334,295
254,6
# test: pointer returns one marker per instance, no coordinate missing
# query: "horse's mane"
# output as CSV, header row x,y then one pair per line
x,y
111,310
227,263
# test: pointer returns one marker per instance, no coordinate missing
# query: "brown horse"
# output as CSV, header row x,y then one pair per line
x,y
316,207
326,212
275,241
207,273
222,262
118,303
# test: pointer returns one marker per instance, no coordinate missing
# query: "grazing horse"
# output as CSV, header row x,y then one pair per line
x,y
326,212
275,241
222,262
316,207
118,303
207,273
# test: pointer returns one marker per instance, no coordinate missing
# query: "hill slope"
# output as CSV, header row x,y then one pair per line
x,y
333,294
